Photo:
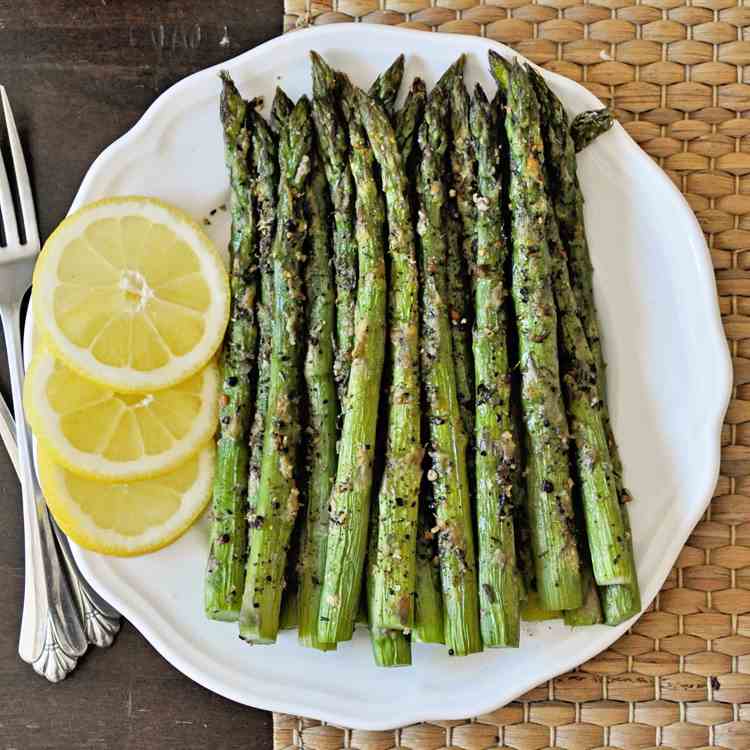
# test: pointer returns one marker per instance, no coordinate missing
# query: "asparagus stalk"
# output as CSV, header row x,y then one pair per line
x,y
550,504
448,440
604,525
459,314
590,612
334,148
428,605
390,647
322,407
225,572
533,611
264,162
281,108
498,463
588,126
428,609
621,601
395,564
272,517
386,86
350,500
409,118
461,232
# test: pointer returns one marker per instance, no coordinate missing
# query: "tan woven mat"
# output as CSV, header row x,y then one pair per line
x,y
678,75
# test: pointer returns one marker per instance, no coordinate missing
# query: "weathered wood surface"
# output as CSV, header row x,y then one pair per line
x,y
79,73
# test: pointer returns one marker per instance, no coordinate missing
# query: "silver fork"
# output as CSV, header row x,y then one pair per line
x,y
52,633
101,621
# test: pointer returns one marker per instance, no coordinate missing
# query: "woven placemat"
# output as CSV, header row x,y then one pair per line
x,y
675,72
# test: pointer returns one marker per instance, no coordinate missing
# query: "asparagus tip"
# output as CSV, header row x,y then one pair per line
x,y
418,86
455,70
500,68
479,93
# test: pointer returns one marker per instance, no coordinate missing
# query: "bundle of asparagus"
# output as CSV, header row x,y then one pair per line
x,y
414,429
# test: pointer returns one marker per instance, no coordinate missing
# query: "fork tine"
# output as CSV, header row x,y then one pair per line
x,y
7,211
22,175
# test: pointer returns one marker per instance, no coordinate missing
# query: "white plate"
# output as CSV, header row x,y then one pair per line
x,y
669,383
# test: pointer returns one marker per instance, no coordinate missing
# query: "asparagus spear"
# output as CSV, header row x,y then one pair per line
x,y
462,233
350,499
497,444
622,602
619,602
390,647
281,108
533,611
333,144
590,612
459,313
448,440
386,86
428,604
395,565
550,504
408,119
226,570
588,126
272,517
264,163
322,407
569,212
428,607
604,525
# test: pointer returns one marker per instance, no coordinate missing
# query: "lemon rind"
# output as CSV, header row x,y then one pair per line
x,y
127,379
95,466
79,527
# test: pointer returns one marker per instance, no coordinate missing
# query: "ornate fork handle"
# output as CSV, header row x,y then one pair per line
x,y
52,635
101,622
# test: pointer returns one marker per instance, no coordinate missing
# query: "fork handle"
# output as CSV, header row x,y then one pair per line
x,y
52,636
101,621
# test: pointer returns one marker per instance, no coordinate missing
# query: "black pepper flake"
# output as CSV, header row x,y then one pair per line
x,y
547,486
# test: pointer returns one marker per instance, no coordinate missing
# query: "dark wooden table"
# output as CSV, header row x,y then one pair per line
x,y
79,73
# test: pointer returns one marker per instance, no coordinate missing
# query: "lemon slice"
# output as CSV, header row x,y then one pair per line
x,y
97,432
130,518
131,293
